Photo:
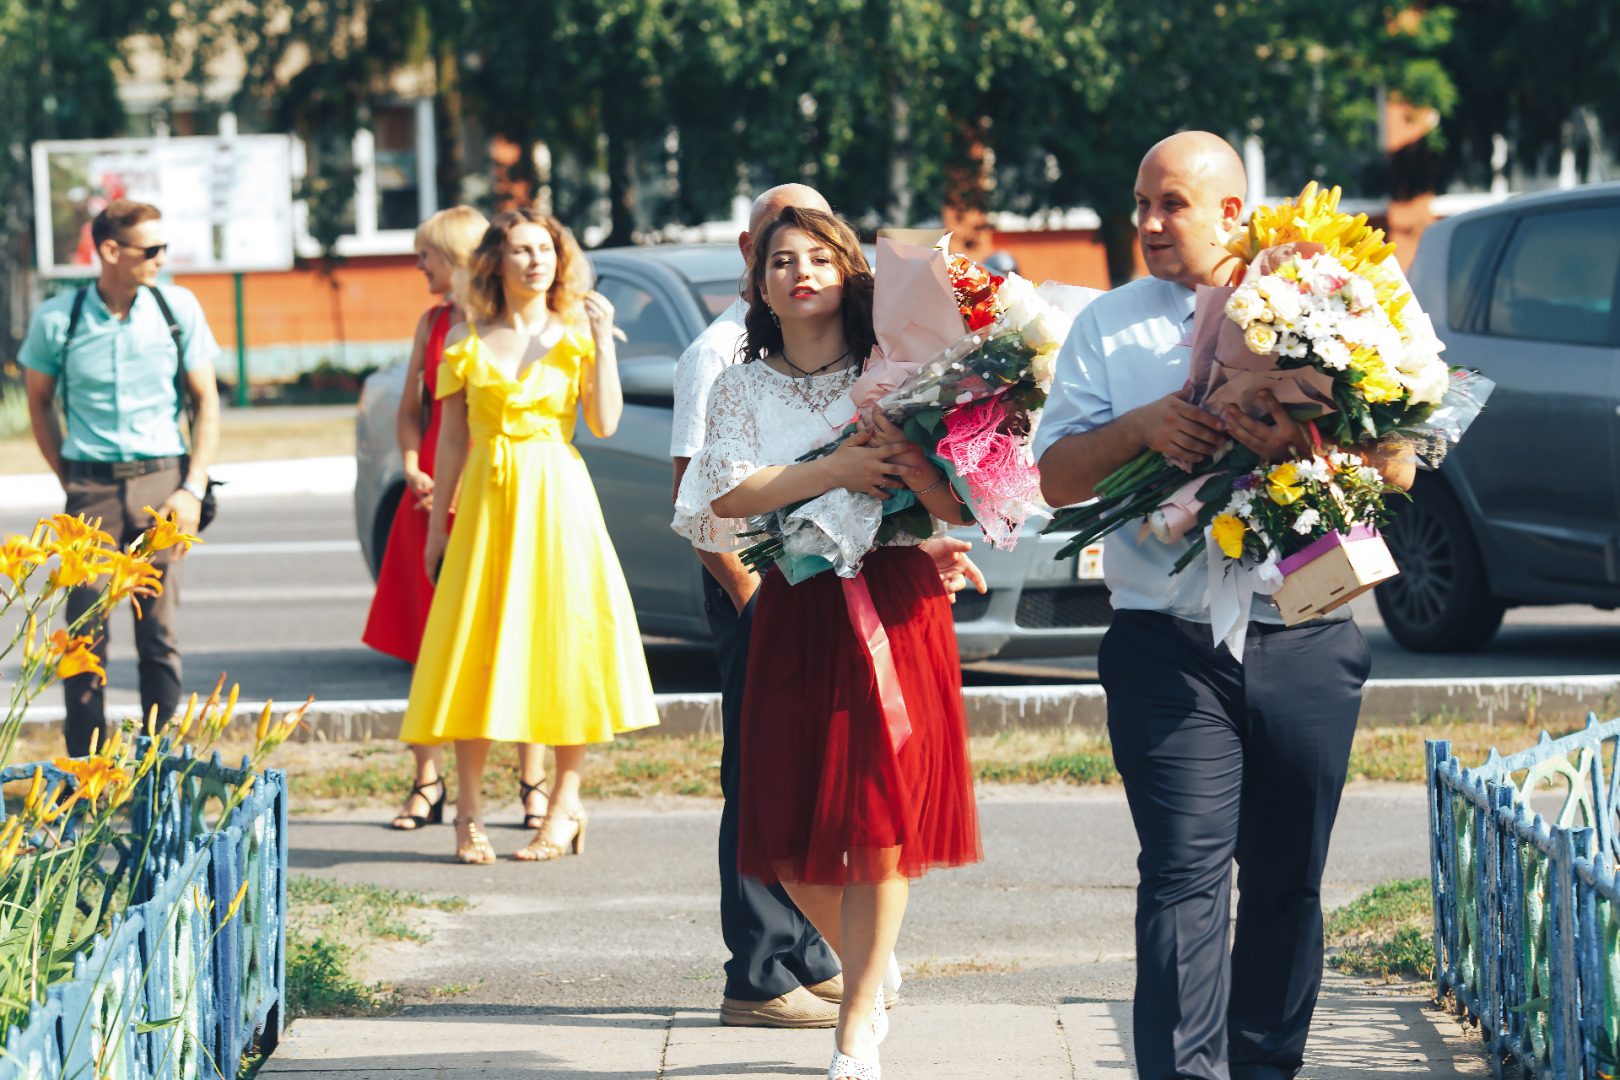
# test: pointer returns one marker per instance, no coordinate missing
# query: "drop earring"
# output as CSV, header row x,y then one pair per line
x,y
775,318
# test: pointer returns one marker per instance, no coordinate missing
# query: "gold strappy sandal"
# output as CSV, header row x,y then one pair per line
x,y
541,849
477,849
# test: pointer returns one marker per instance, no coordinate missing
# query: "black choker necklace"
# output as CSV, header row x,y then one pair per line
x,y
806,375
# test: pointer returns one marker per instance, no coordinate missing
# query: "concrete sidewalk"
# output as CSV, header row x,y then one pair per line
x,y
608,966
1356,1034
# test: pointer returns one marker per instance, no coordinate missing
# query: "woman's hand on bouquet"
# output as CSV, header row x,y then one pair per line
x,y
901,450
1281,440
860,466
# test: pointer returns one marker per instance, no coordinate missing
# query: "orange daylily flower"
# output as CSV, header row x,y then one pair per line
x,y
78,659
78,566
164,534
95,775
76,532
19,555
132,576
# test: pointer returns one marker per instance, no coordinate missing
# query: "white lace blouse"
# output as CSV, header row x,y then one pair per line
x,y
757,417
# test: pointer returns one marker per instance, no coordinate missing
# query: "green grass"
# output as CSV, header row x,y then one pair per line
x,y
330,923
1079,768
1386,932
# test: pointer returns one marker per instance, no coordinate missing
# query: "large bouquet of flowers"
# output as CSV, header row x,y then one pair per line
x,y
1323,318
972,406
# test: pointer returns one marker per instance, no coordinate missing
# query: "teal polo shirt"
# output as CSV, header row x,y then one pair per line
x,y
120,401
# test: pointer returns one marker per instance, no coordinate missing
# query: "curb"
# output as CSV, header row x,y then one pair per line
x,y
240,480
1552,700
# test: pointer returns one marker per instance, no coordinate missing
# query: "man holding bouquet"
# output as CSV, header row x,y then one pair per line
x,y
1221,758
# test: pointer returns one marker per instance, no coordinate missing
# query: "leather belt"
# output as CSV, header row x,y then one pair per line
x,y
121,470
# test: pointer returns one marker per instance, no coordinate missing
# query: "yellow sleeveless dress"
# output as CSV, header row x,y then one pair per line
x,y
532,636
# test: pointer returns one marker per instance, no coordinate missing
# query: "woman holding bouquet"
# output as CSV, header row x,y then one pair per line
x,y
855,774
532,637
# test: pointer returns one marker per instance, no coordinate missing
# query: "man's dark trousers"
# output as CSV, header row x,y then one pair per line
x,y
119,503
1225,760
773,947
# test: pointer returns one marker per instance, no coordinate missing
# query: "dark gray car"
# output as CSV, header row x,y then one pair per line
x,y
1526,510
663,297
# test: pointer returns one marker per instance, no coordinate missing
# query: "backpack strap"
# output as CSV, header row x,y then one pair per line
x,y
67,343
182,394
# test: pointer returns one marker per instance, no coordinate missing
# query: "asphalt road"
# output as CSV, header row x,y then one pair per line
x,y
279,594
1046,917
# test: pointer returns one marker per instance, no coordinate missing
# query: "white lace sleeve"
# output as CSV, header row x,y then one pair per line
x,y
731,454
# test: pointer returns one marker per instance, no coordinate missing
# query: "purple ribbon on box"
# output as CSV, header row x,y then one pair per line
x,y
1320,547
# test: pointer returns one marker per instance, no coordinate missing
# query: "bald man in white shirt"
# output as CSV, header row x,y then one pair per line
x,y
1221,759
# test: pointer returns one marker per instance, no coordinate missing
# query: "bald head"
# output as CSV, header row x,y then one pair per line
x,y
1189,188
772,202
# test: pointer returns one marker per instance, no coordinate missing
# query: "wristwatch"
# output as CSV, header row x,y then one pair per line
x,y
195,490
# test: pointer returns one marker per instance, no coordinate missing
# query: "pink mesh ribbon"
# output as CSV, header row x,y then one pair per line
x,y
869,629
994,465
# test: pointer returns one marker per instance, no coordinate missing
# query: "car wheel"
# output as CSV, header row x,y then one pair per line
x,y
1441,601
382,525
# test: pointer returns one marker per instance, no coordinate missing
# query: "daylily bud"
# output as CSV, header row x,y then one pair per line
x,y
264,721
236,902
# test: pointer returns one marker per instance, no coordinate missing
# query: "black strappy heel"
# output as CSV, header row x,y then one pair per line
x,y
532,821
435,814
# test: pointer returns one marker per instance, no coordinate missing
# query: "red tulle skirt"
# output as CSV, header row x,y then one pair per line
x,y
825,799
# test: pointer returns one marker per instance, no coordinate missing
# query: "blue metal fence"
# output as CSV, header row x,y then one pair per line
x,y
1526,909
176,989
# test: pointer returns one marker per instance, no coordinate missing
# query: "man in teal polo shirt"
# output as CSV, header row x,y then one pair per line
x,y
116,352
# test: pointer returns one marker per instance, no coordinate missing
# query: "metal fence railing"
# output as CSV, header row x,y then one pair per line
x,y
1526,909
177,988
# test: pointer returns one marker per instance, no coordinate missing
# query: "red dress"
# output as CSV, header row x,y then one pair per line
x,y
823,792
399,608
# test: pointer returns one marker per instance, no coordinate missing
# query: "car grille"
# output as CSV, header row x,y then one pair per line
x,y
1053,609
970,605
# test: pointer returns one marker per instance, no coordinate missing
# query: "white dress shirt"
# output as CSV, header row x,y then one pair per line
x,y
1131,346
710,353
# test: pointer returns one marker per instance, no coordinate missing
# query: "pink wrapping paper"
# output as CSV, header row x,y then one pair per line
x,y
914,315
874,639
1224,372
1180,511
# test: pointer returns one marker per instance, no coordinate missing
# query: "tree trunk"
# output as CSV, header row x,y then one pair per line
x,y
900,151
621,190
1119,239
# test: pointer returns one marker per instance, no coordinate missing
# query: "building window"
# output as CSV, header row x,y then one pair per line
x,y
394,165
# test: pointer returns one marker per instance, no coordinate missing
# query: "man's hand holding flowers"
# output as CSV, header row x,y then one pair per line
x,y
1280,440
1178,429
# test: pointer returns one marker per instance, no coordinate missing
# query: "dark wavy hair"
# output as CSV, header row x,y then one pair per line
x,y
478,285
762,336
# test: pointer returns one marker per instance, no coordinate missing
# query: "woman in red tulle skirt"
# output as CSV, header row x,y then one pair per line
x,y
848,790
399,608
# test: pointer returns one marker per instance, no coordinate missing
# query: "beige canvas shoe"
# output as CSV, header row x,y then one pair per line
x,y
798,1008
833,991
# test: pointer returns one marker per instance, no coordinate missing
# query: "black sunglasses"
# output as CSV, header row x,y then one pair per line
x,y
147,253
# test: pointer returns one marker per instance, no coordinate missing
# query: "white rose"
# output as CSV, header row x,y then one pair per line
x,y
1281,294
1428,386
1260,338
1018,299
1245,305
1044,330
1362,294
1043,367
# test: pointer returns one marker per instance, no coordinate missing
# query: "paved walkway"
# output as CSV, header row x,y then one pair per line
x,y
1356,1035
607,967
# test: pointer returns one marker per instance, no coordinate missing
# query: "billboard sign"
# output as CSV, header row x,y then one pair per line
x,y
226,201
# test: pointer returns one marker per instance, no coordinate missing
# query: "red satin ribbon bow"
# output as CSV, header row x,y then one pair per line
x,y
869,629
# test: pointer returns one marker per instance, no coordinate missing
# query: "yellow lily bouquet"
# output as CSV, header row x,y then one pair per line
x,y
1320,316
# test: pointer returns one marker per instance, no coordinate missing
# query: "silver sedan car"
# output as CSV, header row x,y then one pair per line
x,y
664,297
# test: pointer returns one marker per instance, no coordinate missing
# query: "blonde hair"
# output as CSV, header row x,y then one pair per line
x,y
478,288
453,233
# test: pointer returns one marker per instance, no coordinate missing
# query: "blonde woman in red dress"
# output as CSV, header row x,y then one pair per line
x,y
847,791
399,609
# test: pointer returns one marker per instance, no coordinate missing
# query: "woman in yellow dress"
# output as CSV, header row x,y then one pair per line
x,y
531,636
